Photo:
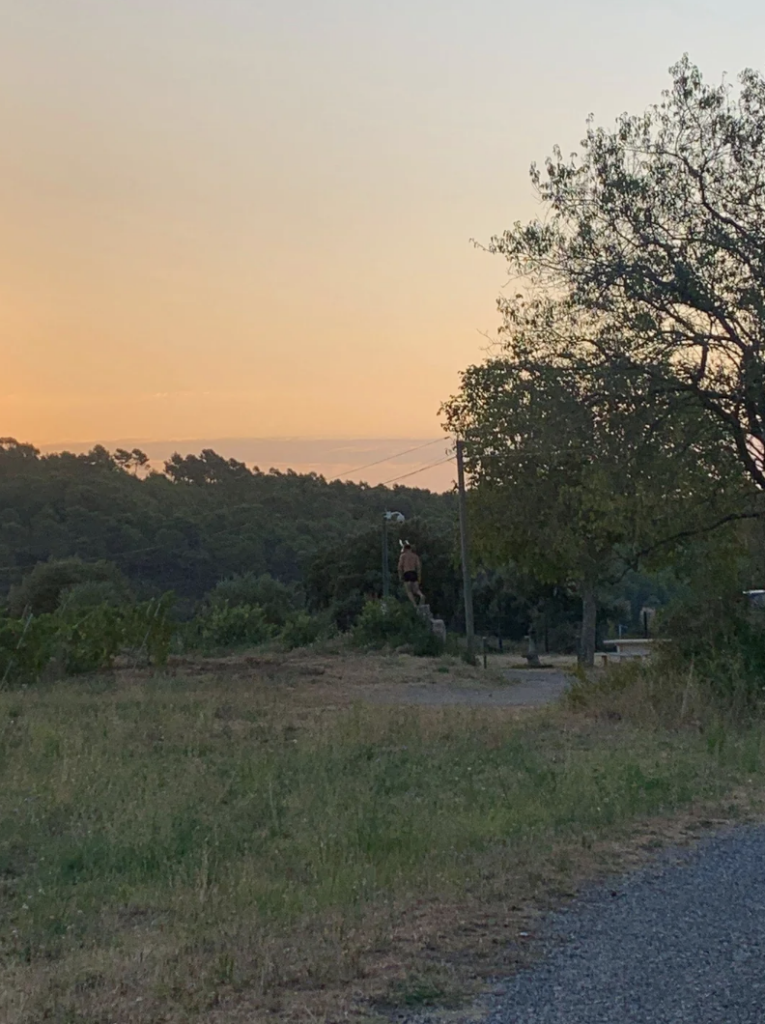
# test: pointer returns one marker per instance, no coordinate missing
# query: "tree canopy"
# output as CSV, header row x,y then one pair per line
x,y
576,478
657,231
205,519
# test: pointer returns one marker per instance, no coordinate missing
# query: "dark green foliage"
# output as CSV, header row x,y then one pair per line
x,y
577,485
343,577
654,233
89,640
26,647
84,596
395,624
208,519
714,637
42,589
223,625
276,599
722,641
511,604
81,638
302,629
150,628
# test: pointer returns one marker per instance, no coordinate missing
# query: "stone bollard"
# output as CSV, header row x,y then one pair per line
x,y
533,655
439,628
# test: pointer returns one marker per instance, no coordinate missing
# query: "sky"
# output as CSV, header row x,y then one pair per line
x,y
237,219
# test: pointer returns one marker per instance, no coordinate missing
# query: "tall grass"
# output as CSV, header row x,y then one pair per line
x,y
202,820
672,692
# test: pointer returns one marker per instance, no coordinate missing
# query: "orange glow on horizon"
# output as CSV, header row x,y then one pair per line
x,y
253,220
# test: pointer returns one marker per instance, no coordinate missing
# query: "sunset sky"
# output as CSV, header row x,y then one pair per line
x,y
252,218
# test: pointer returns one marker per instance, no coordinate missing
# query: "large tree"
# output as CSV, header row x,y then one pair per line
x,y
576,478
657,230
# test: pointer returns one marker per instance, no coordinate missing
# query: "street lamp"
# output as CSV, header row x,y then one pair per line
x,y
388,517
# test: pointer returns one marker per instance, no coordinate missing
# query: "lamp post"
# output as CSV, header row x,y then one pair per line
x,y
388,517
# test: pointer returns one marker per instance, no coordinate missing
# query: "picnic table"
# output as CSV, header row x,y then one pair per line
x,y
625,648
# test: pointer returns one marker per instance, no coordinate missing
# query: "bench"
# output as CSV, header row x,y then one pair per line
x,y
626,650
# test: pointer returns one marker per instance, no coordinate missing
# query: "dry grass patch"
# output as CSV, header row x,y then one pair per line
x,y
247,840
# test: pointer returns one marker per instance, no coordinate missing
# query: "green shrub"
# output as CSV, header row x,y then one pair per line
x,y
724,640
88,641
26,647
427,645
223,625
149,628
301,630
276,600
393,623
91,594
84,637
41,590
345,611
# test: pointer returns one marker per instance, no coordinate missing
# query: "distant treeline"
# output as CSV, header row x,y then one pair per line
x,y
202,520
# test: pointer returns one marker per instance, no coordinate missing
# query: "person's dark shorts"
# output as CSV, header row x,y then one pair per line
x,y
410,577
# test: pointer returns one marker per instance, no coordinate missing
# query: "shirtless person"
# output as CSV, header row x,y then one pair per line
x,y
409,570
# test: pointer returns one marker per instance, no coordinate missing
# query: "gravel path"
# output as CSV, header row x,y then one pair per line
x,y
682,941
535,686
530,688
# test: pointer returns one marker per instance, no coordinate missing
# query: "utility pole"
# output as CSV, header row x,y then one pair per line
x,y
467,582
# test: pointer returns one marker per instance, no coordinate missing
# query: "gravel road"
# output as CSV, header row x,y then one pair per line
x,y
530,688
536,686
681,941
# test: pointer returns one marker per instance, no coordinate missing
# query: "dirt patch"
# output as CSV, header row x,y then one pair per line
x,y
390,679
544,688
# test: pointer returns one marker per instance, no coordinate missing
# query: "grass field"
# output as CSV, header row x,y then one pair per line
x,y
250,839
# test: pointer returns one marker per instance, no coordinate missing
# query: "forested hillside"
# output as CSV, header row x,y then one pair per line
x,y
204,519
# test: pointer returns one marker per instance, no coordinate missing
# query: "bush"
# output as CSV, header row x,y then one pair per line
x,y
345,611
301,630
84,638
150,630
395,624
223,625
26,647
710,668
276,600
41,590
726,650
91,640
91,594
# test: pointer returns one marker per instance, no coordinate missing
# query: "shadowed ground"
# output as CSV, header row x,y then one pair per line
x,y
528,688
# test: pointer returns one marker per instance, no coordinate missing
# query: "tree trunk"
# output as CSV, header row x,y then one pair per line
x,y
589,625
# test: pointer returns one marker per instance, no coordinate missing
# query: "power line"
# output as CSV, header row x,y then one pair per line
x,y
236,508
390,458
250,505
431,465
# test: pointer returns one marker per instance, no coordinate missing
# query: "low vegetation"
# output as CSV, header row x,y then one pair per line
x,y
207,815
251,836
395,624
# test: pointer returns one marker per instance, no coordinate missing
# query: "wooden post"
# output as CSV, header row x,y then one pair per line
x,y
467,582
